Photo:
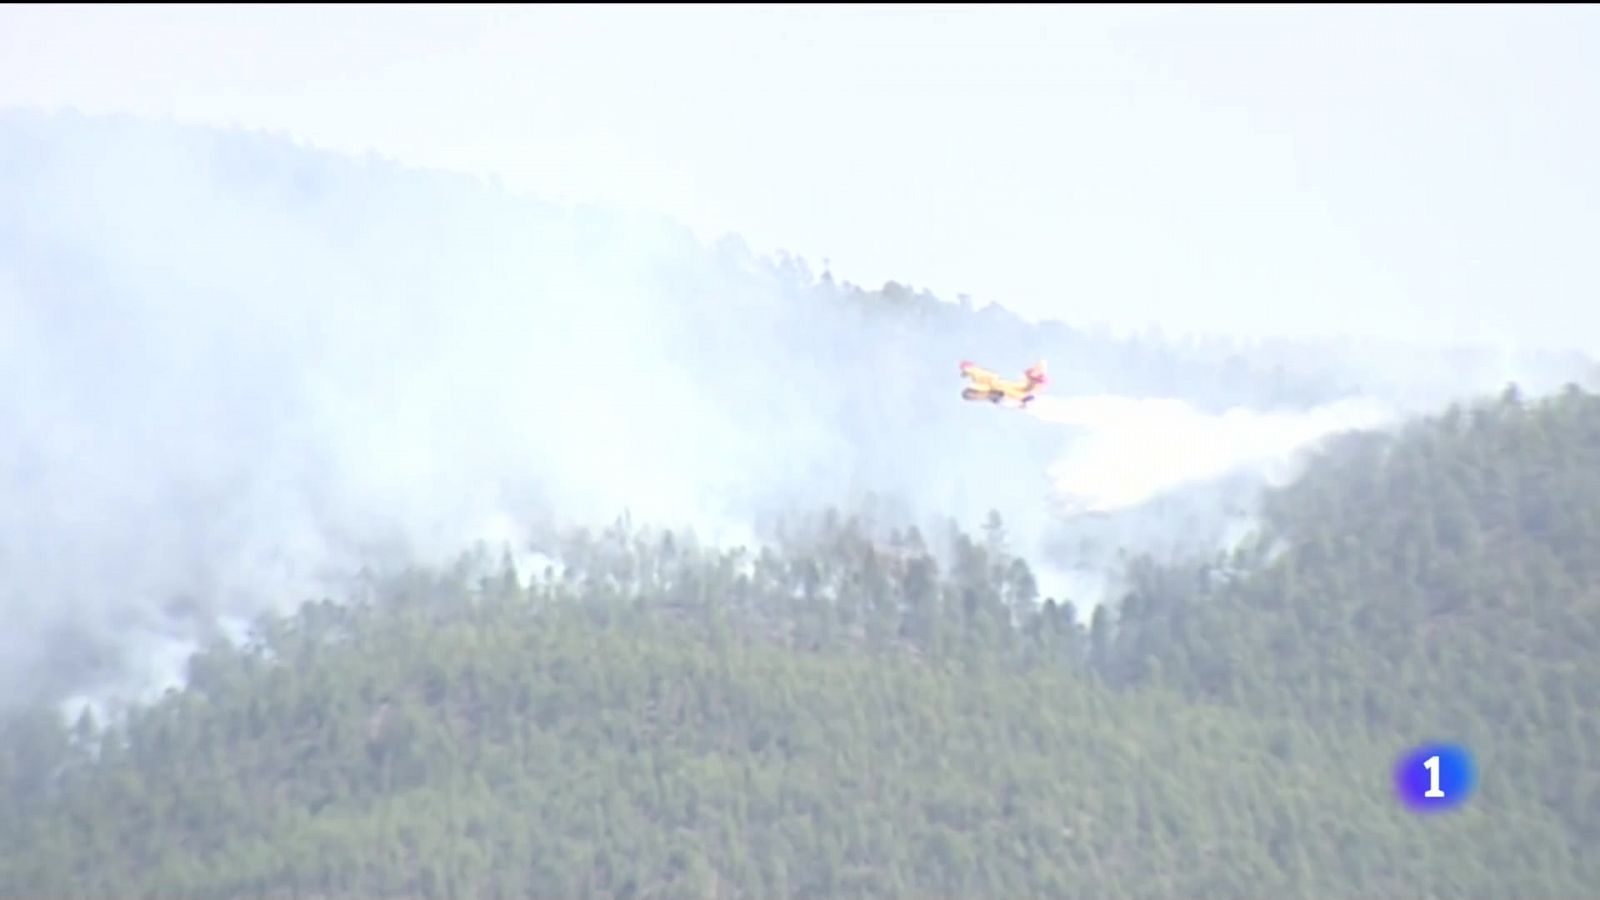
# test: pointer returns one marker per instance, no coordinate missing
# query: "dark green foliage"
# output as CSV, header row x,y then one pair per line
x,y
1444,582
843,717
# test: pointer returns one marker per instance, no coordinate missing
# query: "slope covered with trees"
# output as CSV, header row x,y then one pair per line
x,y
1440,582
849,714
298,315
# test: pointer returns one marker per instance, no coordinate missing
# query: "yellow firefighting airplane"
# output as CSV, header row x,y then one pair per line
x,y
986,385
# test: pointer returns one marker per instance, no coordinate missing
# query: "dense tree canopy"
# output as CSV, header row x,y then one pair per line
x,y
846,715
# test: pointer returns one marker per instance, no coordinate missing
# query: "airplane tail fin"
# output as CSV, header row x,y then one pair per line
x,y
1037,373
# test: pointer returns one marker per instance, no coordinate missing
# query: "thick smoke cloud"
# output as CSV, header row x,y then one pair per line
x,y
233,371
236,370
1134,450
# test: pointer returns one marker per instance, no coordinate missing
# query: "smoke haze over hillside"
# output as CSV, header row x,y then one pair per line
x,y
1136,449
1396,172
233,371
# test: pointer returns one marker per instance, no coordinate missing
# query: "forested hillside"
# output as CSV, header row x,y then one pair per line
x,y
371,362
1445,581
840,716
363,356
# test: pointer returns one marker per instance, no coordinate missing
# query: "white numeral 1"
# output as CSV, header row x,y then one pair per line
x,y
1432,765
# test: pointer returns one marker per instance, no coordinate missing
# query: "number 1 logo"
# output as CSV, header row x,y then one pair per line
x,y
1432,765
1434,777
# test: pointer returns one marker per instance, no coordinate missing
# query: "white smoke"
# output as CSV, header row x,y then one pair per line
x,y
1132,450
233,372
1159,477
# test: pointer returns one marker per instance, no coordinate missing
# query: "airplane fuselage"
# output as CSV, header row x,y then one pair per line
x,y
988,386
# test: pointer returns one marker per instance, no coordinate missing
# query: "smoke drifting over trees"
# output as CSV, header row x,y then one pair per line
x,y
234,371
835,716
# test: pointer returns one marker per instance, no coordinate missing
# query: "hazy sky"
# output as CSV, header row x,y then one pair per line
x,y
1361,170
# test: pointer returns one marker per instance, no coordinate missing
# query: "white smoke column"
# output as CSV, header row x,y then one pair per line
x,y
234,372
1133,450
1159,477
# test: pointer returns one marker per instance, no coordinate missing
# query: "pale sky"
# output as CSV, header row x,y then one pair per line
x,y
1367,171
